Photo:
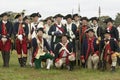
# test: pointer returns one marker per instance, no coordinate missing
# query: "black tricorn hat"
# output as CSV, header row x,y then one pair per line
x,y
108,20
58,15
26,17
89,29
84,18
18,15
65,35
106,32
68,16
74,15
40,29
35,14
94,18
4,14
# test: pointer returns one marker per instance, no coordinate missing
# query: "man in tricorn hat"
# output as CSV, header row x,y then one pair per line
x,y
90,53
82,35
76,18
110,27
70,29
84,27
5,38
56,30
98,29
35,24
64,56
109,51
39,52
21,33
48,23
26,19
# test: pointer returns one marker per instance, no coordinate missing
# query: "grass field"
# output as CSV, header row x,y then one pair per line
x,y
14,72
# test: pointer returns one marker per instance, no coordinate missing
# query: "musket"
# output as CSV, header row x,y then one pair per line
x,y
30,36
80,47
101,58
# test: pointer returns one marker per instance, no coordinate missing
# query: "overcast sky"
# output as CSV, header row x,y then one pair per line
x,y
46,8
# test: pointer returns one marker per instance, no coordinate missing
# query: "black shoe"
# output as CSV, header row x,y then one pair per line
x,y
71,65
62,67
20,62
24,61
83,65
113,69
3,57
118,61
75,63
7,58
78,62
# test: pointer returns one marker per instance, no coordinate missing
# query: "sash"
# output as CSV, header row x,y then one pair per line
x,y
64,48
34,27
59,28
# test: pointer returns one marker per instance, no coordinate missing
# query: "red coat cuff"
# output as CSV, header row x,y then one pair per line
x,y
57,60
97,52
81,57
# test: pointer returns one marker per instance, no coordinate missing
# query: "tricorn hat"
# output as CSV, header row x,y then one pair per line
x,y
58,15
4,14
94,18
35,15
74,15
18,15
68,16
89,29
108,20
26,17
106,32
84,18
40,29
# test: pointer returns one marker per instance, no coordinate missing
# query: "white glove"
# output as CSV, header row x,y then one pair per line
x,y
72,36
20,37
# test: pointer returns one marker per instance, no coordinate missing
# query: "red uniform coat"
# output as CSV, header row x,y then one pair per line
x,y
5,32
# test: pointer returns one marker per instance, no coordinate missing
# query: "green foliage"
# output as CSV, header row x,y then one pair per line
x,y
101,21
117,19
